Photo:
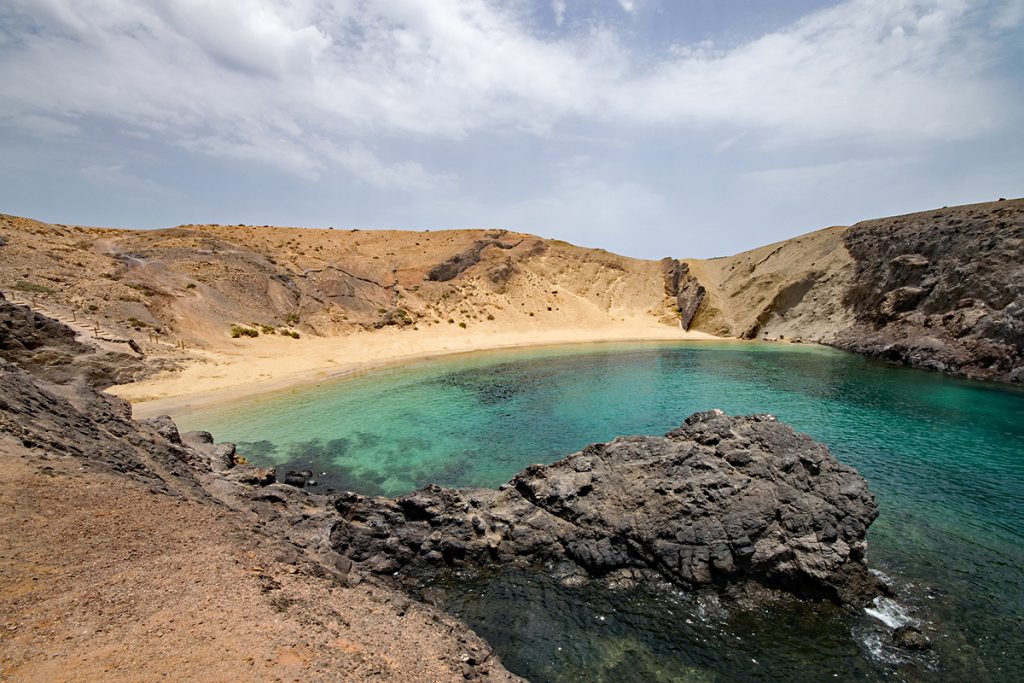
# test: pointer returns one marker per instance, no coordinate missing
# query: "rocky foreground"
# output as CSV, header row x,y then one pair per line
x,y
741,505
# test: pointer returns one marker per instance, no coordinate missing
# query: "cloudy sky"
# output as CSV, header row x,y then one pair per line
x,y
647,127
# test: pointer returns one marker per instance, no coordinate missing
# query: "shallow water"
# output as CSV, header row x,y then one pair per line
x,y
945,458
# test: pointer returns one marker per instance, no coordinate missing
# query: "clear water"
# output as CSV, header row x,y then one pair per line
x,y
944,456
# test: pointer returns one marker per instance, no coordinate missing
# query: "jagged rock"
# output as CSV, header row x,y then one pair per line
x,y
911,638
256,476
77,421
724,502
197,437
684,288
297,479
50,350
165,427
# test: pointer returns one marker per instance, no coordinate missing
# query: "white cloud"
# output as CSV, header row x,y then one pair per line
x,y
308,86
628,5
558,8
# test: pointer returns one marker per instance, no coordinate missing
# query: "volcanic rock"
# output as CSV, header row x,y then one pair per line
x,y
723,502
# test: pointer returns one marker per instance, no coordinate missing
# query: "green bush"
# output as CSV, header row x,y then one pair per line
x,y
241,331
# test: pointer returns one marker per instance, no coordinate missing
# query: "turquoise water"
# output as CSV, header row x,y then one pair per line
x,y
945,458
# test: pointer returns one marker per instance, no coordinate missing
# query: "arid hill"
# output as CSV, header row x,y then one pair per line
x,y
939,289
192,283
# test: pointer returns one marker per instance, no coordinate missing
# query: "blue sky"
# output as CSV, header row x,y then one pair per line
x,y
647,127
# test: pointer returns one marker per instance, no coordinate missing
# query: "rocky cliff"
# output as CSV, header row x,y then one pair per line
x,y
942,290
939,290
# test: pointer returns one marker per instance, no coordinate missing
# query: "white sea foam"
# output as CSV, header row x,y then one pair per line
x,y
889,612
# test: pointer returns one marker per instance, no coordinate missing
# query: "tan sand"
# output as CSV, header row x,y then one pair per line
x,y
252,366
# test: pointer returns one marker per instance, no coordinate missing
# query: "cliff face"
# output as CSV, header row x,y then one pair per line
x,y
940,290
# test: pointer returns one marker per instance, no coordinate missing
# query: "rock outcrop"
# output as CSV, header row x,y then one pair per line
x,y
684,288
52,425
733,503
942,290
51,350
458,264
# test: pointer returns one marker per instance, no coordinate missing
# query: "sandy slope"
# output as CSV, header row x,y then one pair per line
x,y
790,289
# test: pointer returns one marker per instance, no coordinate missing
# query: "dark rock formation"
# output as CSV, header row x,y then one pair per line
x,y
684,288
942,290
456,265
910,637
75,420
725,502
50,349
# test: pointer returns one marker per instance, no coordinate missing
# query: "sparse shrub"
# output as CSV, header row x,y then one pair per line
x,y
462,325
292,318
93,307
190,285
290,333
23,286
242,331
490,316
267,329
450,321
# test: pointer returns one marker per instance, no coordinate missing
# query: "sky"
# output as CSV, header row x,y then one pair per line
x,y
690,128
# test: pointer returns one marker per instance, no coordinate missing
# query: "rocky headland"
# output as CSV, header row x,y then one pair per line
x,y
939,290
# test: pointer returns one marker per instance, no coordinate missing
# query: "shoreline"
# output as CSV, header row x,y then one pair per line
x,y
220,376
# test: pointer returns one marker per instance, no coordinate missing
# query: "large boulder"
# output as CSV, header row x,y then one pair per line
x,y
734,503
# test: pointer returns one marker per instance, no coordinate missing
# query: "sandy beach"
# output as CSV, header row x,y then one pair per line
x,y
242,368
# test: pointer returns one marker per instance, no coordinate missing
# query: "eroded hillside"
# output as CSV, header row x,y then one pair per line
x,y
192,283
